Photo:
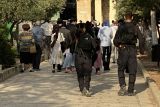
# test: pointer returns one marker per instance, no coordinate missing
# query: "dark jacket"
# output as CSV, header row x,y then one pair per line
x,y
127,34
86,45
73,30
67,36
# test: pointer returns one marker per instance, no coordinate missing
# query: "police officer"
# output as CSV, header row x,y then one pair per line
x,y
83,59
125,39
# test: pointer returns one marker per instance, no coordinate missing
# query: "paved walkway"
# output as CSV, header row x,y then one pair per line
x,y
45,89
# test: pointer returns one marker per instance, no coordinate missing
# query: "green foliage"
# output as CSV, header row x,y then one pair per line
x,y
22,10
139,7
4,31
16,10
7,56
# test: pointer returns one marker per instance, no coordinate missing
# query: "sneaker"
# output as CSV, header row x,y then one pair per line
x,y
83,92
31,70
67,70
106,69
53,71
98,73
37,69
122,91
88,93
22,71
131,93
58,70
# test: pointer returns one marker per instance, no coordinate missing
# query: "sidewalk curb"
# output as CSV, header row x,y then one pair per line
x,y
153,87
9,72
12,71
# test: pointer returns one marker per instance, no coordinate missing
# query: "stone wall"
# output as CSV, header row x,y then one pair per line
x,y
105,9
84,10
7,73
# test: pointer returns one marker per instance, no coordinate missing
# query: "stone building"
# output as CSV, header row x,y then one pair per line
x,y
87,10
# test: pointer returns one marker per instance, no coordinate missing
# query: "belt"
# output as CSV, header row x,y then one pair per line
x,y
126,45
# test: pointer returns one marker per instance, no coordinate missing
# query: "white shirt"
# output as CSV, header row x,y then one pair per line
x,y
105,35
47,27
114,30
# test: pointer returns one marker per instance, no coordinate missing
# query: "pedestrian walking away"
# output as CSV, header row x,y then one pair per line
x,y
47,27
73,29
83,60
114,52
26,40
56,56
126,39
105,36
39,37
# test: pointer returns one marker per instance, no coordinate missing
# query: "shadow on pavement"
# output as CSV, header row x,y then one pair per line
x,y
140,87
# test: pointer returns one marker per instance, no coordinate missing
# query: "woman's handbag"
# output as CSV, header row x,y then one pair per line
x,y
33,49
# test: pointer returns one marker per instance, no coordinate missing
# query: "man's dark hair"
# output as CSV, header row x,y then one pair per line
x,y
121,21
59,21
128,15
26,27
64,24
72,20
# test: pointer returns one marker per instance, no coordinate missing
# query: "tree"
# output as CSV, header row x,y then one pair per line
x,y
144,9
7,56
28,10
16,11
140,7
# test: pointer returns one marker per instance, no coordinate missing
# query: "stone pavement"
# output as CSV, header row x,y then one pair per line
x,y
45,89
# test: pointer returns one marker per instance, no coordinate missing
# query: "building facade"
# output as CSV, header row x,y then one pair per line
x,y
99,10
88,10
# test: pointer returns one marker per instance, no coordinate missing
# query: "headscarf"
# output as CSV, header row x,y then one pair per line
x,y
106,23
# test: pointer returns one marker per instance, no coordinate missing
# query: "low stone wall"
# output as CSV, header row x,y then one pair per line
x,y
7,73
152,85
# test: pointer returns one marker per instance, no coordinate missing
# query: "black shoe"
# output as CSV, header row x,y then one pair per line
x,y
58,70
37,69
31,71
88,93
107,69
53,71
22,71
122,91
131,93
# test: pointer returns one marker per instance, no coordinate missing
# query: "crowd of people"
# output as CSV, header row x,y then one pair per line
x,y
70,46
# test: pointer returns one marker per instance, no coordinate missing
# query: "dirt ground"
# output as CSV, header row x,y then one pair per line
x,y
152,69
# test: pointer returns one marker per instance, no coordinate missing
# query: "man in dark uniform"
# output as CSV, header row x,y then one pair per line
x,y
83,60
126,39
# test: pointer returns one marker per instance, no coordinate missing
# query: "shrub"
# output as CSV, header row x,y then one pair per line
x,y
7,55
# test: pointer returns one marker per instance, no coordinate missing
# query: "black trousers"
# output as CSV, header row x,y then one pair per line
x,y
37,58
83,66
127,59
106,57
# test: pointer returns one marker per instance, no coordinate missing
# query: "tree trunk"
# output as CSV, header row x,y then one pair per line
x,y
153,27
10,31
157,20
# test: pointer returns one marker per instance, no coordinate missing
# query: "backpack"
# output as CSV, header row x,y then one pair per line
x,y
127,34
85,42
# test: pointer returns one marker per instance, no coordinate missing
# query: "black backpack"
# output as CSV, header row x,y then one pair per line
x,y
85,42
127,34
